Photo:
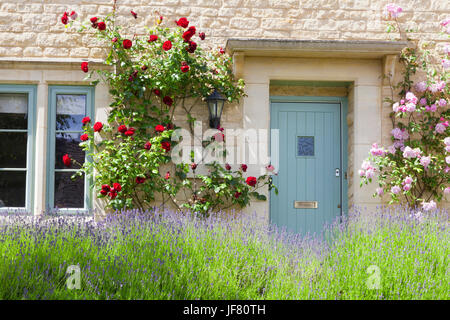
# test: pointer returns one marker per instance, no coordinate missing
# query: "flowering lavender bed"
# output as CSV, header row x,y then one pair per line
x,y
165,255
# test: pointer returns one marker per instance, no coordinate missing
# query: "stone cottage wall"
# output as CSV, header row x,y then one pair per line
x,y
32,29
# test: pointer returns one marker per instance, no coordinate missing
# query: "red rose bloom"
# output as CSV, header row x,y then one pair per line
x,y
65,18
184,69
127,44
237,194
183,22
165,145
98,126
66,160
140,180
94,22
189,33
167,45
112,194
144,67
73,15
130,132
103,192
117,186
227,166
122,128
153,38
84,137
134,14
106,187
168,100
159,128
85,66
157,92
251,181
167,177
169,126
147,145
86,120
244,167
101,26
193,166
221,51
202,35
192,47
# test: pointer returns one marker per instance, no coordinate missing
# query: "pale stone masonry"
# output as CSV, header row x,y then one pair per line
x,y
37,49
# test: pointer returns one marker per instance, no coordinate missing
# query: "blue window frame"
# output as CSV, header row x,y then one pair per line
x,y
17,132
68,105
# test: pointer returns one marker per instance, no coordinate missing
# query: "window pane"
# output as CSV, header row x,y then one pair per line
x,y
13,110
12,188
70,110
67,143
13,149
68,193
305,146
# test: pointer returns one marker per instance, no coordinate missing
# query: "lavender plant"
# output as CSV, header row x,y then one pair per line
x,y
165,255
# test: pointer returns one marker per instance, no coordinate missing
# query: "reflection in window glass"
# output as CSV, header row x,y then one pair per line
x,y
305,146
13,149
13,111
70,110
68,193
12,188
68,143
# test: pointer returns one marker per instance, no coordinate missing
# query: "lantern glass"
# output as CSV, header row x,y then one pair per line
x,y
215,106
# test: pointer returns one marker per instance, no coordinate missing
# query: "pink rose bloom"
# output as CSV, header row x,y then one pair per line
x,y
406,187
442,102
440,128
366,165
447,159
270,168
396,107
423,101
397,133
447,190
395,189
445,22
410,107
392,149
411,97
361,173
447,141
447,170
392,10
399,145
427,206
446,63
425,161
421,86
408,180
411,153
370,173
380,191
375,151
447,148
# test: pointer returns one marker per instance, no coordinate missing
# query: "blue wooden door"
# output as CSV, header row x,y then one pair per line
x,y
309,177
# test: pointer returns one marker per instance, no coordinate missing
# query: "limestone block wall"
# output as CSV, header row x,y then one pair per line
x,y
33,30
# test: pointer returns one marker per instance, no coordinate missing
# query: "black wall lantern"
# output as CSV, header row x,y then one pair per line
x,y
215,106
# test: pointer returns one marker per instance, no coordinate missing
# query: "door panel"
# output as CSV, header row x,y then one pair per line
x,y
309,153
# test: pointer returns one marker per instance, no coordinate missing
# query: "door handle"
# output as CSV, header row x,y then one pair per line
x,y
338,172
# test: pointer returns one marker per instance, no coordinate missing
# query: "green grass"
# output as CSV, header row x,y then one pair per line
x,y
166,256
